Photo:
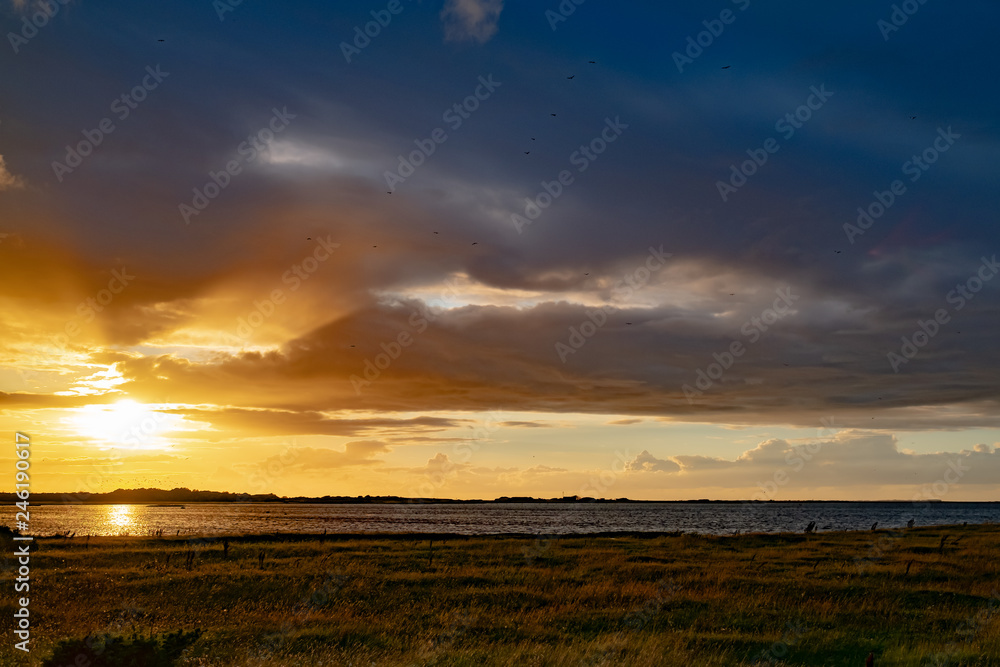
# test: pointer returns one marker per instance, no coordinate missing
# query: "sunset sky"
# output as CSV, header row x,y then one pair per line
x,y
248,247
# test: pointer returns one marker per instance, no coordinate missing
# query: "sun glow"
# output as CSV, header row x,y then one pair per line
x,y
126,423
120,517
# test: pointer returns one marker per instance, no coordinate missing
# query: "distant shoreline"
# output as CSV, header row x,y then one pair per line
x,y
41,499
317,501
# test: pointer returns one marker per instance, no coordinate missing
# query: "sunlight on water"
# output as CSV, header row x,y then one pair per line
x,y
536,519
120,518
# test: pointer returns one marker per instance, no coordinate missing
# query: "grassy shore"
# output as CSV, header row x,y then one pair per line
x,y
791,599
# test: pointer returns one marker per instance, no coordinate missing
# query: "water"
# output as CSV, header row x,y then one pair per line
x,y
525,518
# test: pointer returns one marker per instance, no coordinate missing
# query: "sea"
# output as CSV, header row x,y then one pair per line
x,y
493,519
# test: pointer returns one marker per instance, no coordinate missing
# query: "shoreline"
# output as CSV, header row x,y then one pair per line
x,y
444,536
43,499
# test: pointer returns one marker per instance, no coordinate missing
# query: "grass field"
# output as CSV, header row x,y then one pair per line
x,y
791,599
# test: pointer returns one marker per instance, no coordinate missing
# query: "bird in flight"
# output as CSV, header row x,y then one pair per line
x,y
435,232
552,114
475,243
592,62
309,238
527,152
571,77
727,67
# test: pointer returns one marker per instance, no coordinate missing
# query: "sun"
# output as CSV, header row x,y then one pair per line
x,y
125,423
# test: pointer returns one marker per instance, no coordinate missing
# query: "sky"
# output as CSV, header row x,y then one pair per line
x,y
472,249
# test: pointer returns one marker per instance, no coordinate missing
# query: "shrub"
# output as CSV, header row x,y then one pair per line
x,y
109,651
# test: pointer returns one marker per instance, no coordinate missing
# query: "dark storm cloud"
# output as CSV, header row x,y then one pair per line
x,y
655,185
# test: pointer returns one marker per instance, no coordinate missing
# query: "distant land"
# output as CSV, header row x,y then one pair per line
x,y
183,495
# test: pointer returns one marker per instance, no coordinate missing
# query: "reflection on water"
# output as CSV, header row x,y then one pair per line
x,y
523,518
119,520
120,516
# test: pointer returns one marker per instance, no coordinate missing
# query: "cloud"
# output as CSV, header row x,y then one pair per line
x,y
543,470
850,459
285,423
474,20
359,452
646,462
440,464
7,180
524,424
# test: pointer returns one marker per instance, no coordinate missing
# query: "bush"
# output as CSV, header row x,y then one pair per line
x,y
108,651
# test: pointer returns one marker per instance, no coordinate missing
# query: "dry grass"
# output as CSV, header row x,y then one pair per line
x,y
629,600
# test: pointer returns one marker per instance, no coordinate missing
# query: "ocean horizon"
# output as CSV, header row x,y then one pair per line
x,y
489,518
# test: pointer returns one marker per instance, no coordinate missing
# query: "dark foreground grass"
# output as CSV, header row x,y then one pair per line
x,y
604,600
